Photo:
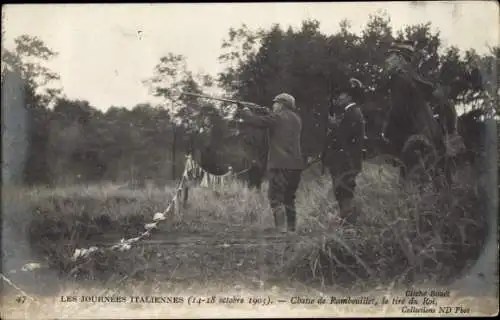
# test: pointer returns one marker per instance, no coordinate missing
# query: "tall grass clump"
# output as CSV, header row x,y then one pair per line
x,y
404,232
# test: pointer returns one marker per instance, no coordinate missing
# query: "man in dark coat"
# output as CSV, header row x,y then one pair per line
x,y
345,143
410,127
410,113
409,92
285,160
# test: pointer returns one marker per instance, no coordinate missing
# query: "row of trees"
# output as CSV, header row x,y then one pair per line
x,y
310,64
74,141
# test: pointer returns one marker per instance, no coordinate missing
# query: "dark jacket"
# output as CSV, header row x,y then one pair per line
x,y
410,113
345,140
284,137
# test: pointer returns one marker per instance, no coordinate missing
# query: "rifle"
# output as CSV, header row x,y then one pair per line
x,y
250,105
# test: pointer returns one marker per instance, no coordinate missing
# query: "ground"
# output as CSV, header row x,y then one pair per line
x,y
222,243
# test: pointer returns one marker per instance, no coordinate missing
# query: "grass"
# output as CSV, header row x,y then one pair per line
x,y
404,234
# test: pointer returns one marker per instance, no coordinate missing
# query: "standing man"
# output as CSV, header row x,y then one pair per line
x,y
285,160
411,127
345,142
409,92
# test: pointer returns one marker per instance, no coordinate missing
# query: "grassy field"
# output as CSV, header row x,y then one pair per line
x,y
223,241
403,235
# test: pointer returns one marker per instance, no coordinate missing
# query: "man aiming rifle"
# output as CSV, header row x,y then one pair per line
x,y
285,159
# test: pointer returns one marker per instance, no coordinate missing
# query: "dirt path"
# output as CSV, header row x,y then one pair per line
x,y
227,238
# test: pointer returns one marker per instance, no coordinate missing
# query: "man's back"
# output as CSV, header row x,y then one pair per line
x,y
410,113
284,141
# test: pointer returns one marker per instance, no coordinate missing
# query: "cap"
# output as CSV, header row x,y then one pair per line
x,y
351,85
406,48
355,83
287,100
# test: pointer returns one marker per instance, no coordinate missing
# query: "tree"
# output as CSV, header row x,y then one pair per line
x,y
311,65
29,55
426,57
375,40
240,47
171,78
67,145
452,72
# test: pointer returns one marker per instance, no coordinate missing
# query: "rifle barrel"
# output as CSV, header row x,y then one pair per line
x,y
250,104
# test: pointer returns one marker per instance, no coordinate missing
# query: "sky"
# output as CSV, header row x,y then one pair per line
x,y
107,50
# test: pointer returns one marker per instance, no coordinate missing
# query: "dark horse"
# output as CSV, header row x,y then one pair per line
x,y
224,143
411,132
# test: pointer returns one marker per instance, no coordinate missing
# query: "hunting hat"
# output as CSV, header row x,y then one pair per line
x,y
406,48
355,83
353,86
286,99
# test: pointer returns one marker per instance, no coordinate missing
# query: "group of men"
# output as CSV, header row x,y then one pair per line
x,y
343,153
286,161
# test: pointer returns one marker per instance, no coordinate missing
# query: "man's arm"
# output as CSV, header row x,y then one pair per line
x,y
265,120
423,84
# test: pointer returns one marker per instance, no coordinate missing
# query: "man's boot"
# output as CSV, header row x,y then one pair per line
x,y
291,218
280,219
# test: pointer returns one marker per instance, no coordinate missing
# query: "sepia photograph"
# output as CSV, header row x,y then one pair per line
x,y
249,160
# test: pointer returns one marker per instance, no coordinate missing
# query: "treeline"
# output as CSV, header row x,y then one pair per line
x,y
72,141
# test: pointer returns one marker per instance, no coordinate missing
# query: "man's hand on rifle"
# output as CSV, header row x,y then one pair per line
x,y
242,111
248,109
251,106
241,107
248,106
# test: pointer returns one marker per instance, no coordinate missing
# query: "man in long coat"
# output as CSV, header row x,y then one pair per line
x,y
409,93
410,114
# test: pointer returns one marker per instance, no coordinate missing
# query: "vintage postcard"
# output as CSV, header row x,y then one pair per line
x,y
248,160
